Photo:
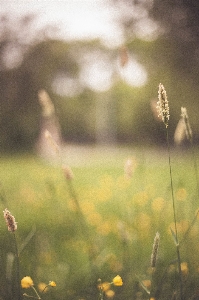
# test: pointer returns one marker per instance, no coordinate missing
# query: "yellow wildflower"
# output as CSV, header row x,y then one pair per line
x,y
110,294
181,194
184,268
42,287
26,282
141,198
158,204
117,280
104,228
52,283
94,218
105,286
147,283
143,221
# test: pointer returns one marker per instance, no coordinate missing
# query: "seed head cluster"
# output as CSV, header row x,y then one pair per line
x,y
10,220
155,250
163,105
47,106
185,118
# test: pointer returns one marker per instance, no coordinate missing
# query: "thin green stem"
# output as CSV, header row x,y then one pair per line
x,y
79,211
38,297
172,190
29,296
101,294
174,216
27,239
152,294
82,222
45,288
17,268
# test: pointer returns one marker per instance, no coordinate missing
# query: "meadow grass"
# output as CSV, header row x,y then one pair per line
x,y
122,215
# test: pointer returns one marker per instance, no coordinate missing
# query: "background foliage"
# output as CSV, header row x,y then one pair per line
x,y
170,58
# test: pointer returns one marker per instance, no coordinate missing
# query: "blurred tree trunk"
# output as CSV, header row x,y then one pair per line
x,y
106,129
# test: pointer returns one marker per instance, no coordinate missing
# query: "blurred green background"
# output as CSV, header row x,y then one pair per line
x,y
161,39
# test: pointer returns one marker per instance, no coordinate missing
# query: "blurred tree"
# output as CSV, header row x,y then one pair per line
x,y
165,38
20,82
174,21
161,36
179,21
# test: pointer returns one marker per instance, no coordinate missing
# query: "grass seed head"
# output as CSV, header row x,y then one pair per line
x,y
47,106
163,105
179,133
68,173
10,220
155,250
185,118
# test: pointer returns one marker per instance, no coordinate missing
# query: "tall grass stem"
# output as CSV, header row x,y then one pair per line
x,y
17,268
174,214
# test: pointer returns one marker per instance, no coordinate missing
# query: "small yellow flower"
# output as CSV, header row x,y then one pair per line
x,y
105,286
52,283
158,204
110,294
181,194
184,268
117,280
26,282
147,283
42,287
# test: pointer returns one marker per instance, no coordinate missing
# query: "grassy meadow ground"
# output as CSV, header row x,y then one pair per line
x,y
100,224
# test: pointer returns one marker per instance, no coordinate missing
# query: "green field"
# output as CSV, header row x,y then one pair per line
x,y
100,224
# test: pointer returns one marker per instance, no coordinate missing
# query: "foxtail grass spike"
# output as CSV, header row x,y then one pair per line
x,y
155,250
163,112
163,105
10,220
47,106
185,118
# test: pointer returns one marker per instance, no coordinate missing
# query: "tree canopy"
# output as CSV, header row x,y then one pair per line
x,y
162,36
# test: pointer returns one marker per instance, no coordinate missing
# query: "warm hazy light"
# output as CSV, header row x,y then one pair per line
x,y
74,19
86,19
83,19
134,73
